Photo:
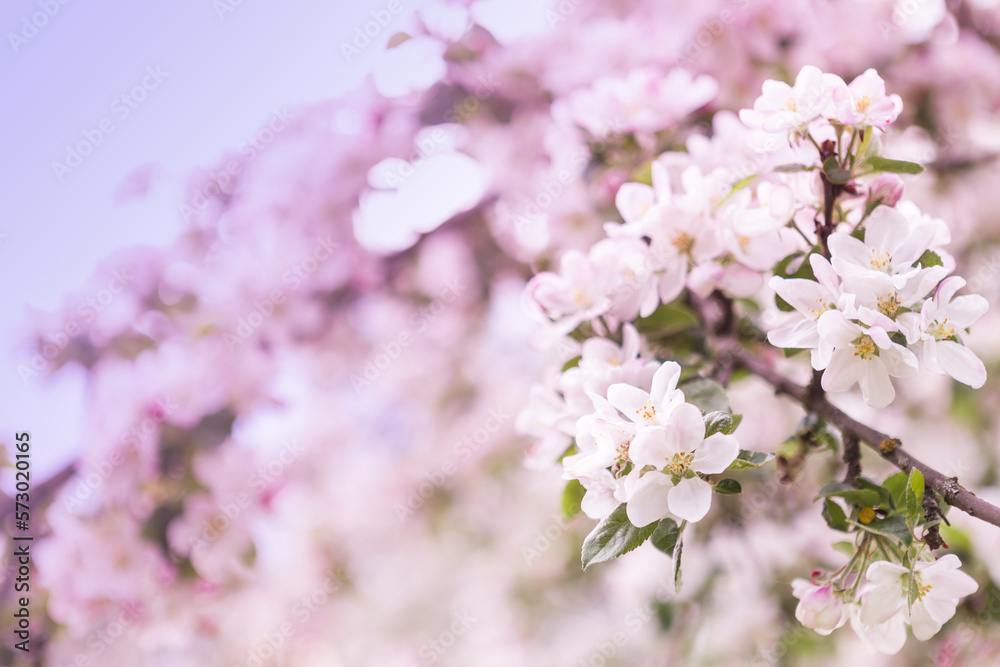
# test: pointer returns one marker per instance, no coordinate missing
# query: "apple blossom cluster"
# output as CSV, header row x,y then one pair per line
x,y
860,277
889,597
648,449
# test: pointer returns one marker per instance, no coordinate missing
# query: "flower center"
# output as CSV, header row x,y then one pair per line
x,y
647,412
889,305
682,241
790,105
864,347
622,450
678,464
821,308
863,103
880,259
578,296
922,589
942,331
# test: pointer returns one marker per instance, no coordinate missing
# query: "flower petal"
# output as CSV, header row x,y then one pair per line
x,y
961,363
690,499
649,499
651,447
686,428
715,454
876,387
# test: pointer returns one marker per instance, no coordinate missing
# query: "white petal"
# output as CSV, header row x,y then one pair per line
x,y
633,200
630,400
686,429
961,363
876,386
881,603
715,454
923,624
651,447
803,335
843,370
665,380
836,329
649,499
690,499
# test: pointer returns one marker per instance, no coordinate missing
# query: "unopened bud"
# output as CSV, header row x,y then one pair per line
x,y
885,189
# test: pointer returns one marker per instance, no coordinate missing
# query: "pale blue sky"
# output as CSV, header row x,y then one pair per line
x,y
199,77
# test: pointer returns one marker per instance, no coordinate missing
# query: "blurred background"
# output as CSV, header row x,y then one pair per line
x,y
262,269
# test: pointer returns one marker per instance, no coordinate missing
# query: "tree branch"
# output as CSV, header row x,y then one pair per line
x,y
888,448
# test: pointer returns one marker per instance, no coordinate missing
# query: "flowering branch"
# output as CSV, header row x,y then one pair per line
x,y
889,448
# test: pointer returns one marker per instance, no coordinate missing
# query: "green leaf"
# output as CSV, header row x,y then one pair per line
x,y
859,497
668,319
883,493
747,459
894,166
728,487
914,497
929,258
893,527
678,548
613,537
834,172
834,515
666,535
896,485
707,395
721,422
572,363
846,548
572,497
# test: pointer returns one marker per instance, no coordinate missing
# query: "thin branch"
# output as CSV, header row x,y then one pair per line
x,y
888,448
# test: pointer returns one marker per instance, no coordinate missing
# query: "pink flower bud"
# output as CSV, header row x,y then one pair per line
x,y
886,189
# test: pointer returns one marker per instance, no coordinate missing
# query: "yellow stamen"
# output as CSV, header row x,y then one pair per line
x,y
679,464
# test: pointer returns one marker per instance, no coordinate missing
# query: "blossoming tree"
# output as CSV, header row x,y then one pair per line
x,y
542,303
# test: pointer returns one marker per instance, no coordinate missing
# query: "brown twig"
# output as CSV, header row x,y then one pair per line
x,y
888,448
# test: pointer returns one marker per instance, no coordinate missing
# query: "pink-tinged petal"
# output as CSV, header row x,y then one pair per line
x,y
649,499
740,282
876,387
664,381
690,499
963,311
599,503
686,428
900,362
651,447
672,279
849,254
878,334
801,336
836,329
824,272
805,296
843,370
633,200
715,454
961,363
630,400
946,290
886,230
